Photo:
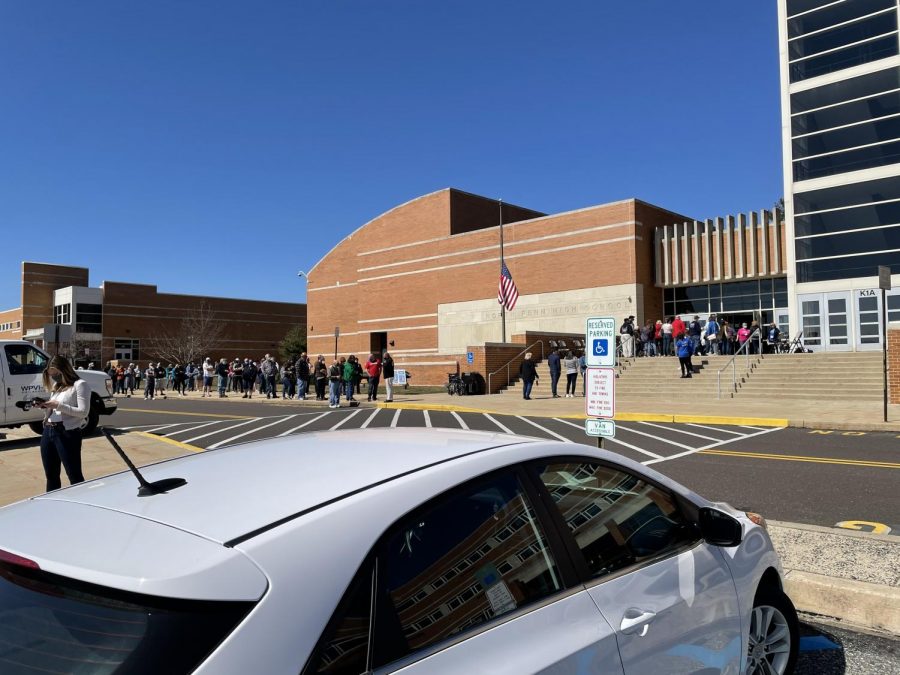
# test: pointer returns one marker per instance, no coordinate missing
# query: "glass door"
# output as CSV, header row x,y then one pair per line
x,y
868,319
837,324
811,320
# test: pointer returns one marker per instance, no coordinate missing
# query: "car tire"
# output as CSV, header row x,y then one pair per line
x,y
37,427
92,420
773,634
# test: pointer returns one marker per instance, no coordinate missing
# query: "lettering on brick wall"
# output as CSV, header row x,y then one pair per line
x,y
575,309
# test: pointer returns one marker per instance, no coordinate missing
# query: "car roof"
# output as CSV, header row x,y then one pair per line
x,y
234,492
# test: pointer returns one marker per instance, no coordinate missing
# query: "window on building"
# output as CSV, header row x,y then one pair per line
x,y
872,49
854,136
874,107
850,160
847,267
88,318
858,241
62,313
795,7
835,14
840,35
865,193
126,349
843,91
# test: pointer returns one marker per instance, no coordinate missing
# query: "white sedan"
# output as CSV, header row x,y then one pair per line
x,y
391,550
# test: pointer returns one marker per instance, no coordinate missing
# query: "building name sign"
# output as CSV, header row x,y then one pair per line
x,y
571,309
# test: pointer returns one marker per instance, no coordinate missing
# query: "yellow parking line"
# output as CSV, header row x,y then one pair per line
x,y
192,414
804,458
170,441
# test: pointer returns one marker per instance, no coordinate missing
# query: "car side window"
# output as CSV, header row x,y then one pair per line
x,y
616,518
343,649
463,559
25,360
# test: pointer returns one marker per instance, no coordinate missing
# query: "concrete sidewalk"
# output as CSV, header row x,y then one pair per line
x,y
850,576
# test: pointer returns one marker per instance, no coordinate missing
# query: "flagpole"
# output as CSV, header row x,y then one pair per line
x,y
502,306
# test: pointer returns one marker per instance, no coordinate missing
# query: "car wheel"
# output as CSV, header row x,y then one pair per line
x,y
37,427
774,638
91,421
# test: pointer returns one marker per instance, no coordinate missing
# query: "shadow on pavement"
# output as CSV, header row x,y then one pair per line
x,y
821,653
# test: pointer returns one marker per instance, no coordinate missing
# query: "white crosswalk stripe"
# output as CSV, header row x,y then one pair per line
x,y
680,431
459,419
346,419
371,417
711,445
251,431
427,418
502,426
218,431
395,419
724,431
658,438
305,424
191,429
545,429
615,440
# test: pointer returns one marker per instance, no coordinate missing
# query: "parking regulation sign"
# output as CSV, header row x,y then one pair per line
x,y
602,428
600,392
600,342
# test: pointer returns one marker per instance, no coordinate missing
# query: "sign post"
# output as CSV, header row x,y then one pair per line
x,y
884,283
337,334
600,378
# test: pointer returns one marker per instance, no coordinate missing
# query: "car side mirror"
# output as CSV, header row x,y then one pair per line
x,y
718,528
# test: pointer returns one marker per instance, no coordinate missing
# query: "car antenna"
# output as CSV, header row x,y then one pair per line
x,y
147,489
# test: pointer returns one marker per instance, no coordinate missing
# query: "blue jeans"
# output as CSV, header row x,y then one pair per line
x,y
302,384
667,345
270,385
650,348
287,387
223,384
526,388
695,340
554,381
61,446
334,393
348,389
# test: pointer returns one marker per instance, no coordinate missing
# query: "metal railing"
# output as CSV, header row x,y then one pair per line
x,y
508,363
755,335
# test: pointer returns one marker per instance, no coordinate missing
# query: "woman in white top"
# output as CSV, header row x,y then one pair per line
x,y
69,404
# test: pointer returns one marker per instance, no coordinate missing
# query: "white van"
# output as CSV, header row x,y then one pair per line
x,y
21,369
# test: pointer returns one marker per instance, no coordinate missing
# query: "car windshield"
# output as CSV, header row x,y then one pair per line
x,y
52,624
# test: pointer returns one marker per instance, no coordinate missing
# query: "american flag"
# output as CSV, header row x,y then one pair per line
x,y
507,294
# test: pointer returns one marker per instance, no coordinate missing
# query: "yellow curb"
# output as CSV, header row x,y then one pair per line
x,y
178,444
191,414
726,421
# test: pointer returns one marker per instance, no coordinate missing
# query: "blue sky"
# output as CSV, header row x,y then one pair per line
x,y
216,147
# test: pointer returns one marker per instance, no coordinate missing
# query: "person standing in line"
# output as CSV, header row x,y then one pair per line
x,y
209,371
626,337
570,363
658,337
120,379
685,347
743,334
678,327
348,373
648,342
150,376
387,370
554,363
160,380
129,380
712,335
269,370
238,369
321,373
334,384
222,372
695,331
528,373
301,368
138,376
373,369
69,404
582,368
666,330
755,337
772,338
287,380
180,377
249,378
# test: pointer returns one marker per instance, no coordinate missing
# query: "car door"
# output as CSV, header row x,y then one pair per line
x,y
668,594
24,366
469,583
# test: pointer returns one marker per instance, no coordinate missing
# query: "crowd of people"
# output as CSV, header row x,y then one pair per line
x,y
298,378
715,336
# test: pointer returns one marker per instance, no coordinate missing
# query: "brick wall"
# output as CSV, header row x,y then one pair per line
x,y
391,274
13,317
39,280
893,356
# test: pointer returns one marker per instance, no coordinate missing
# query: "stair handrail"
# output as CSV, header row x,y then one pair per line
x,y
731,362
527,349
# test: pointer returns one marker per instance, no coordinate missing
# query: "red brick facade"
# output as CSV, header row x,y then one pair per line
x,y
393,274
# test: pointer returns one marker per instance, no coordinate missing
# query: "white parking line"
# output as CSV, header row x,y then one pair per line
x,y
545,430
305,424
251,431
218,431
504,428
711,445
370,418
395,419
744,426
724,431
459,419
681,431
193,428
160,428
615,440
427,419
658,438
348,417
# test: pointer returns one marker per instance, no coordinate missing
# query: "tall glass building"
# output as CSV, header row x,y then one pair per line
x,y
840,89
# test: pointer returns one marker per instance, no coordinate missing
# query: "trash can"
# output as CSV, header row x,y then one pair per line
x,y
474,383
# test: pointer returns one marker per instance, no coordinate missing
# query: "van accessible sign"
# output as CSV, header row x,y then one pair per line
x,y
600,342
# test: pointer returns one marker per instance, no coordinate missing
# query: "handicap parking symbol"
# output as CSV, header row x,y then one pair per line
x,y
601,347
